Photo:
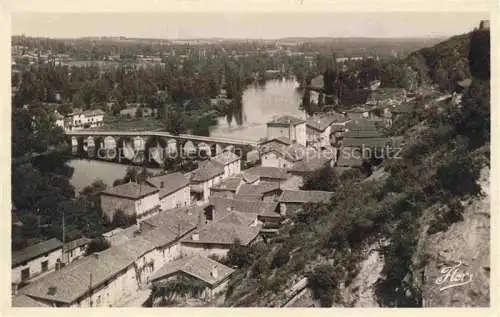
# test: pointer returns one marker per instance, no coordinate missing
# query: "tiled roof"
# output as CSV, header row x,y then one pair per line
x,y
311,165
225,233
362,134
305,196
367,142
73,281
323,122
34,251
131,190
223,206
196,266
360,124
280,140
230,184
226,157
286,120
259,189
22,300
267,172
136,247
76,243
239,218
171,183
207,170
179,220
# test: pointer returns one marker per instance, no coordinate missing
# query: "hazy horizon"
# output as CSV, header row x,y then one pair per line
x,y
251,26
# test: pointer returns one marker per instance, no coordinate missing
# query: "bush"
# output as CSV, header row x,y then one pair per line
x,y
322,281
97,245
281,257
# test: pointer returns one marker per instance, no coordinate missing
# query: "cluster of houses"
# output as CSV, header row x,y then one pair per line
x,y
183,220
80,119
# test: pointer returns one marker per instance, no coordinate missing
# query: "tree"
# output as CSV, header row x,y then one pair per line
x,y
174,121
138,113
92,191
324,179
239,255
323,281
122,220
97,245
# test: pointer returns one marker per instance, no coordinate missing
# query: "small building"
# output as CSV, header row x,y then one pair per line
x,y
318,130
231,163
305,168
174,190
138,200
291,201
289,127
268,174
207,271
208,174
34,260
75,249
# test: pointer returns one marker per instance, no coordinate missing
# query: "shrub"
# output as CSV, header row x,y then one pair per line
x,y
281,257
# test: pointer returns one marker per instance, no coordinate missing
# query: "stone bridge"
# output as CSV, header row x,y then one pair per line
x,y
152,145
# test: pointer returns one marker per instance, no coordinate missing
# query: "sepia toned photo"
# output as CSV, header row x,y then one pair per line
x,y
243,159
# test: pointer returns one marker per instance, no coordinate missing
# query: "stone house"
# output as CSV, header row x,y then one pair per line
x,y
174,190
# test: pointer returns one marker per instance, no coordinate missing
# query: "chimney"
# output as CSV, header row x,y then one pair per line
x,y
195,236
162,184
215,272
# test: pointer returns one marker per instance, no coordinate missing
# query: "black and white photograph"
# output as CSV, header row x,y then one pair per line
x,y
250,159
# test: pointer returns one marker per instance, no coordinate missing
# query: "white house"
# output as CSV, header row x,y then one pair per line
x,y
174,190
139,200
34,260
231,163
289,127
209,173
93,118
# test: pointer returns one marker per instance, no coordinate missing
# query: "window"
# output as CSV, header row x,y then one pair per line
x,y
98,302
25,274
45,266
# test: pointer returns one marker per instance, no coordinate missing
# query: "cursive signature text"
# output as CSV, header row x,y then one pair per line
x,y
452,276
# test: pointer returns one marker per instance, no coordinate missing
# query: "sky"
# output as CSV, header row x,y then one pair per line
x,y
171,25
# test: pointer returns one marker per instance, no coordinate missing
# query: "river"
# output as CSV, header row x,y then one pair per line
x,y
260,105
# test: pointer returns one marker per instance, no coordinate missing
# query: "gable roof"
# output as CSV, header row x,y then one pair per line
x,y
131,190
223,206
369,133
280,140
305,196
136,247
171,183
73,281
360,124
230,184
367,142
207,170
226,157
22,300
239,218
224,233
178,221
196,266
286,120
311,165
257,190
34,251
267,172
